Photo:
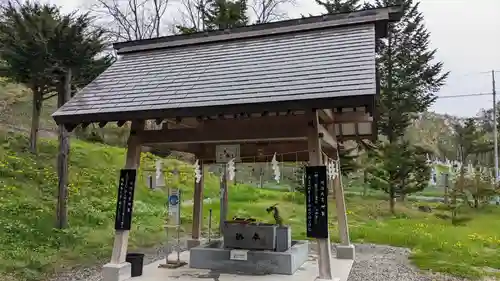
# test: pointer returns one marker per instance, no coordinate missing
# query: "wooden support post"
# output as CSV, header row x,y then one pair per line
x,y
197,210
223,199
341,210
315,159
117,269
345,250
64,94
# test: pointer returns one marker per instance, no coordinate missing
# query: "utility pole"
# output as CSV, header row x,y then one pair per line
x,y
495,130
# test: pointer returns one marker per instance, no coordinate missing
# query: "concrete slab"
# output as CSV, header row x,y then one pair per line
x,y
307,272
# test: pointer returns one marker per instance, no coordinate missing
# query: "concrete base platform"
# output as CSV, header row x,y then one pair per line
x,y
345,252
116,272
191,243
307,272
213,256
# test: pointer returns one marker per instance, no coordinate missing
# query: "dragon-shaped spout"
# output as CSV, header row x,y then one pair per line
x,y
276,214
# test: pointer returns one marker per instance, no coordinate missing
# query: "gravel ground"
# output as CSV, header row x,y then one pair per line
x,y
384,263
94,273
373,263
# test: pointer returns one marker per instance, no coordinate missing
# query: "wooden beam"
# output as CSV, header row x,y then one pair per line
x,y
276,128
316,159
263,152
326,115
132,162
327,139
352,117
338,193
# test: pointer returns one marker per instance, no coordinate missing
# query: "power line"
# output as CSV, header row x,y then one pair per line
x,y
463,96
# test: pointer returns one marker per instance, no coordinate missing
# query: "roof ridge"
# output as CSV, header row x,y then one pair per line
x,y
295,25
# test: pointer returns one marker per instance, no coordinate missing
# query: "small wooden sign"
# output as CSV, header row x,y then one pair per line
x,y
125,202
316,202
226,152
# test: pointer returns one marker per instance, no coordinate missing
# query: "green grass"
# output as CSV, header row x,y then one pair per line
x,y
436,245
31,248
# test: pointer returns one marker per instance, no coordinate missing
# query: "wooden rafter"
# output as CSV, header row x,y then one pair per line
x,y
327,139
326,116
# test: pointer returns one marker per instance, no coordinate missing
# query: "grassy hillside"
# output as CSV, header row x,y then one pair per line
x,y
28,186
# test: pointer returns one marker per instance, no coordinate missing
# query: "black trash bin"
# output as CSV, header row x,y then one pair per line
x,y
137,262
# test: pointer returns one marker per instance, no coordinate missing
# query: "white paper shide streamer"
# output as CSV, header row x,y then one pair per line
x,y
332,169
276,168
231,169
159,180
197,171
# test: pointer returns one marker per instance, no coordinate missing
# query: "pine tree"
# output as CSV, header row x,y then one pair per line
x,y
399,169
409,76
25,54
219,15
45,50
340,6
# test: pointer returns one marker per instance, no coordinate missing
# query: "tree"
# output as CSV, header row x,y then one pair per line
x,y
73,48
192,16
61,46
25,54
479,186
224,14
215,15
400,169
410,77
340,6
127,20
470,140
269,10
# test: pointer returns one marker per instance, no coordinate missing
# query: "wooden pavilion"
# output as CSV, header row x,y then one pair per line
x,y
297,85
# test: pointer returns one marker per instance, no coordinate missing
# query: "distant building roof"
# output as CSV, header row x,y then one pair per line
x,y
317,62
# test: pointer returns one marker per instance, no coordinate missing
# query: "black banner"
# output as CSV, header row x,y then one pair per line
x,y
125,200
316,202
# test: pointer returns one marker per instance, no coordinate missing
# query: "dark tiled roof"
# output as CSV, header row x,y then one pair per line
x,y
313,65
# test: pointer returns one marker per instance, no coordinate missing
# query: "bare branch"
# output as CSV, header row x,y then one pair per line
x,y
127,20
191,12
270,10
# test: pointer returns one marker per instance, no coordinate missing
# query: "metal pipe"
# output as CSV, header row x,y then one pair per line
x,y
495,130
209,225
